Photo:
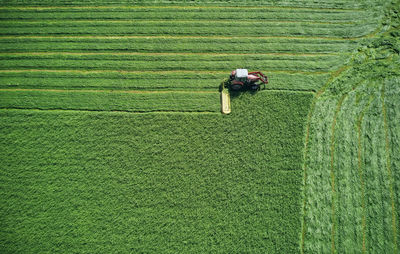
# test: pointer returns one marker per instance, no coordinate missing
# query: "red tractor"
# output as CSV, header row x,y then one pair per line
x,y
241,78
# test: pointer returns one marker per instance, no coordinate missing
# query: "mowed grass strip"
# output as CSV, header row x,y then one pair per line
x,y
391,102
149,81
110,101
166,23
318,191
226,38
171,44
172,56
185,7
341,31
380,235
107,4
192,14
162,63
350,188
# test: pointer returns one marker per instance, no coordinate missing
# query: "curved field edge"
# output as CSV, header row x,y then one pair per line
x,y
360,212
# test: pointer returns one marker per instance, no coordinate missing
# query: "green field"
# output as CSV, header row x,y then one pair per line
x,y
112,140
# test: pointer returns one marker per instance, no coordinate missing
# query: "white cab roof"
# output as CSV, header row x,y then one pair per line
x,y
241,73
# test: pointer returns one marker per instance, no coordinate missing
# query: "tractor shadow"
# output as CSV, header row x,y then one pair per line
x,y
237,94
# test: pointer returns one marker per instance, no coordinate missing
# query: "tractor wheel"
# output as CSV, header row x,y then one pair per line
x,y
255,87
236,87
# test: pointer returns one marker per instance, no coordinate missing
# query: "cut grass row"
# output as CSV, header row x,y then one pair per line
x,y
318,190
172,57
110,101
194,22
391,100
349,186
302,4
178,9
151,24
135,65
181,39
378,183
174,13
194,45
149,81
118,29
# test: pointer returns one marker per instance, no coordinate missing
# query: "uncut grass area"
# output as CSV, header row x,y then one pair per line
x,y
154,182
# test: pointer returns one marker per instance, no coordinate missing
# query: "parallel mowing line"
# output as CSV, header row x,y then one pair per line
x,y
334,198
213,21
307,136
141,91
306,91
160,72
109,91
170,54
180,37
361,175
184,7
119,111
388,166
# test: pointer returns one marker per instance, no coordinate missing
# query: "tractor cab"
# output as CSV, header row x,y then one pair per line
x,y
241,75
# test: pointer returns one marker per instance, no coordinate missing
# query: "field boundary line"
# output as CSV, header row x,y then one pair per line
x,y
182,7
388,166
160,72
361,174
108,91
117,111
116,37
